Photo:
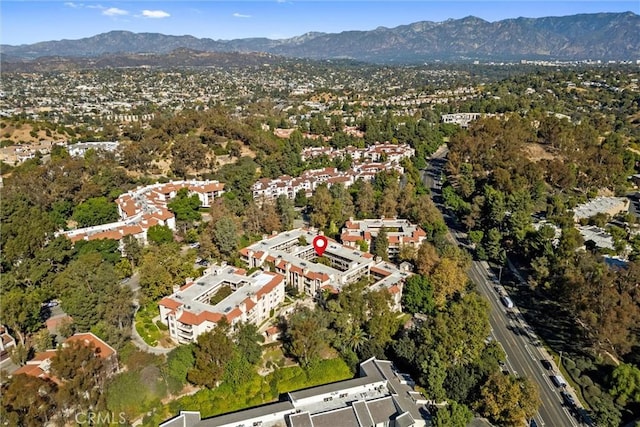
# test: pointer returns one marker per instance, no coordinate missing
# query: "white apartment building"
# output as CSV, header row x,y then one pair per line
x,y
400,232
368,162
380,396
81,148
188,312
461,119
145,207
607,205
292,255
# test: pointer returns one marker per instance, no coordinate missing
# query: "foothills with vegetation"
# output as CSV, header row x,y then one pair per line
x,y
546,141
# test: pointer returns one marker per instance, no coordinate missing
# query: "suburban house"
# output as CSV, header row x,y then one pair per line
x,y
190,311
380,396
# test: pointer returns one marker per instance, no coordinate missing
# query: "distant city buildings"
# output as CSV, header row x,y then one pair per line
x,y
368,162
145,207
291,254
380,396
400,232
190,311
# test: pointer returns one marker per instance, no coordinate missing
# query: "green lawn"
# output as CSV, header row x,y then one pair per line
x,y
148,330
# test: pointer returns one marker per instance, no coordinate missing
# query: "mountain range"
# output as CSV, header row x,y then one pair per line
x,y
601,36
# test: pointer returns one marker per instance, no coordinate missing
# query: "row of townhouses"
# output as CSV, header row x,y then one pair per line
x,y
373,153
145,207
367,164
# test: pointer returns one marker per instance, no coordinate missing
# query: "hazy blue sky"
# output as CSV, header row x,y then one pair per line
x,y
32,21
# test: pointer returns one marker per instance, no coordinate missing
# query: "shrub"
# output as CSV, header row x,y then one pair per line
x,y
568,363
161,325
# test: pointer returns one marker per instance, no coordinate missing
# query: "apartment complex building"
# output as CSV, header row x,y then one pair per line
x,y
40,365
367,163
605,205
145,207
190,311
380,396
292,255
400,232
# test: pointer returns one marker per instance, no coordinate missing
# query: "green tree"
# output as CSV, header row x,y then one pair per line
x,y
300,201
20,311
321,203
225,236
285,210
42,340
248,341
453,415
83,375
448,279
179,361
626,384
28,401
417,295
132,249
213,350
160,234
507,400
381,245
304,335
162,267
364,199
185,207
95,211
109,249
91,293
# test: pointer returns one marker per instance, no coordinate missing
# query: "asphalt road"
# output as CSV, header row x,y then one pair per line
x,y
523,351
521,345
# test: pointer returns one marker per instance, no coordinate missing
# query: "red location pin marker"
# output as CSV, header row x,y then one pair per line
x,y
320,244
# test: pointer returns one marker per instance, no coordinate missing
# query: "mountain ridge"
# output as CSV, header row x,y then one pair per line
x,y
604,36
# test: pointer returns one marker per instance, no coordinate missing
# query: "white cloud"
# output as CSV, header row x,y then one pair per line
x,y
114,11
240,15
72,4
157,14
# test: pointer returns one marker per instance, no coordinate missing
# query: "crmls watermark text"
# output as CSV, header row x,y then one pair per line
x,y
101,418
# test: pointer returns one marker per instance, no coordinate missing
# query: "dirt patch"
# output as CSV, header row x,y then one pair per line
x,y
537,152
